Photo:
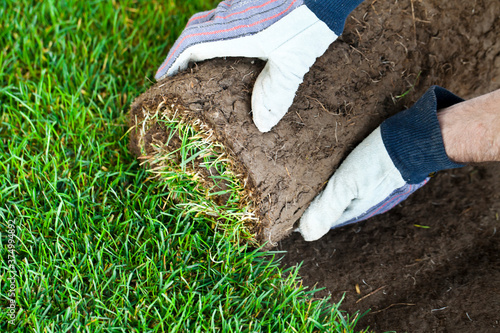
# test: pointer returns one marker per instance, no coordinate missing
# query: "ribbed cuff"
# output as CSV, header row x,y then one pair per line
x,y
333,12
413,137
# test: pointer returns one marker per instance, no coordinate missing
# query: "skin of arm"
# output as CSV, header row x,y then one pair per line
x,y
471,129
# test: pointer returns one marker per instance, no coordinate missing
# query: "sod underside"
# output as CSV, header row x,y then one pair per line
x,y
198,125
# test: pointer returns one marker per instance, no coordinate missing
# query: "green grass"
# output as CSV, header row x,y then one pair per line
x,y
198,172
100,247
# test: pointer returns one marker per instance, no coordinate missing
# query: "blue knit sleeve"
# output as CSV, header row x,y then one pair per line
x,y
333,12
413,137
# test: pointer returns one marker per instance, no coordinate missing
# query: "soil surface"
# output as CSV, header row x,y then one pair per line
x,y
432,264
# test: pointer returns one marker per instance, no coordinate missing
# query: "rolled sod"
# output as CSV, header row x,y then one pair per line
x,y
274,175
196,127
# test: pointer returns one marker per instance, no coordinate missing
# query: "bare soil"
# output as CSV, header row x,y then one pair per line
x,y
429,265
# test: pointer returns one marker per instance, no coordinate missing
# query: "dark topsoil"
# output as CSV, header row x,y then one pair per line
x,y
441,277
432,264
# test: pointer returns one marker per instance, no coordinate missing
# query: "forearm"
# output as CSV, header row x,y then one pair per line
x,y
471,129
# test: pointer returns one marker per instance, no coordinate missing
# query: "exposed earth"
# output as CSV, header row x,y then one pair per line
x,y
431,264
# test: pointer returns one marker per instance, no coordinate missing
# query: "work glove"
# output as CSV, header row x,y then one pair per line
x,y
390,164
288,34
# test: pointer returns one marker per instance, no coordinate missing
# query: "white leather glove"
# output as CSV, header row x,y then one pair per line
x,y
285,33
390,164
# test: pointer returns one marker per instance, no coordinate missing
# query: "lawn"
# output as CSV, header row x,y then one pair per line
x,y
99,244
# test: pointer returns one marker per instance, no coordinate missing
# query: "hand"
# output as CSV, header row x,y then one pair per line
x,y
389,165
285,33
366,184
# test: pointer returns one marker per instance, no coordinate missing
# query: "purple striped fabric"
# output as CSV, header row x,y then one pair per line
x,y
395,198
231,19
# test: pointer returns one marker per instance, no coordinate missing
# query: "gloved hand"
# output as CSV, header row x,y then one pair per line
x,y
286,33
389,165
